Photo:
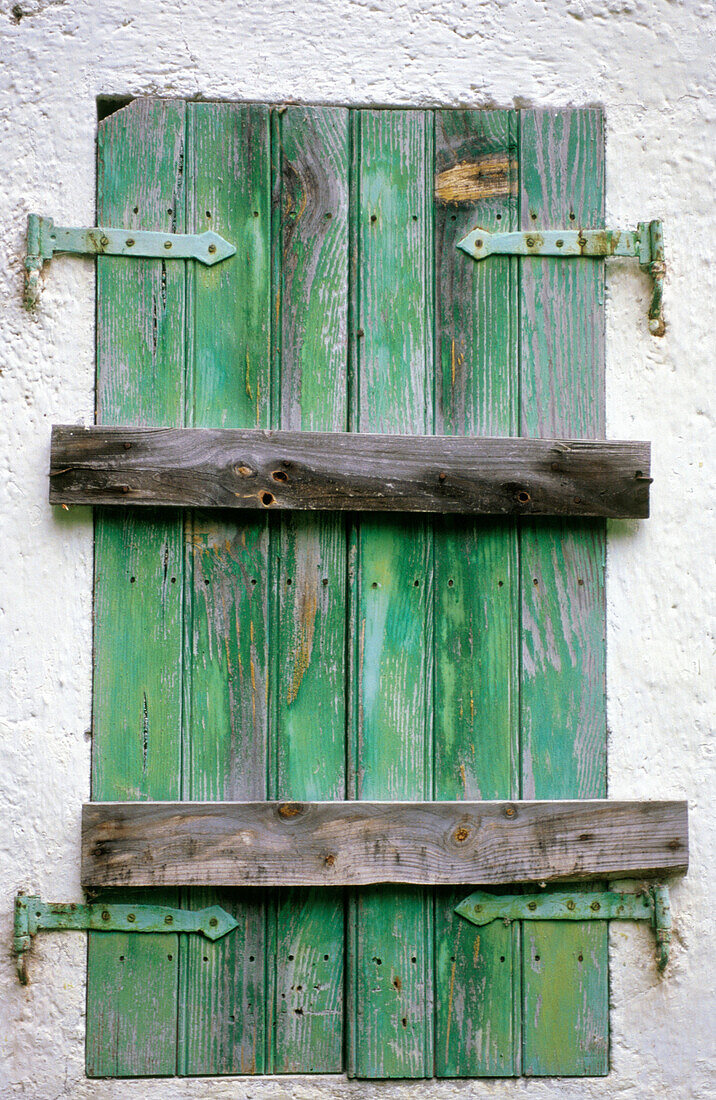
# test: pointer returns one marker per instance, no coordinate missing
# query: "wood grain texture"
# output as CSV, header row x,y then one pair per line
x,y
364,843
390,937
222,1022
311,191
562,693
343,471
476,579
132,980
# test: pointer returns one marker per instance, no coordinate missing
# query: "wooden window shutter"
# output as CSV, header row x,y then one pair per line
x,y
252,656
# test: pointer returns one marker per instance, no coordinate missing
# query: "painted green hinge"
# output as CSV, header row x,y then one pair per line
x,y
33,915
44,238
652,905
646,243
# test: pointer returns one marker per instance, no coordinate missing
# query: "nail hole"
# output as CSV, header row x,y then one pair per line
x,y
208,213
206,958
279,475
453,217
535,582
253,580
329,215
374,217
374,584
450,583
580,958
533,216
174,580
499,217
169,210
378,962
206,580
121,958
413,958
325,958
132,580
580,582
324,582
170,957
252,958
290,958
136,209
537,958
289,582
404,1021
256,213
415,217
500,584
502,958
416,583
266,498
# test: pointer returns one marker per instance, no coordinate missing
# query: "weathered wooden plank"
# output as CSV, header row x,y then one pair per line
x,y
132,980
390,1015
363,843
476,577
311,165
222,1023
340,470
563,705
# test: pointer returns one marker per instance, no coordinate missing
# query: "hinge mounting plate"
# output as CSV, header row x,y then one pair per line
x,y
44,238
652,905
33,915
645,243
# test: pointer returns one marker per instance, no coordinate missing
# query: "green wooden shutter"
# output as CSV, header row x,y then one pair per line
x,y
301,656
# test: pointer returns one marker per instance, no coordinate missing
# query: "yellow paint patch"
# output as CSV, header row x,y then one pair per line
x,y
306,628
486,178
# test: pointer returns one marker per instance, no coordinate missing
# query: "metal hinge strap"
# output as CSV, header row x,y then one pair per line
x,y
32,915
44,238
645,243
652,905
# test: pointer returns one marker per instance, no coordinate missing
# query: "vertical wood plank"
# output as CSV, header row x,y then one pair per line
x,y
476,576
563,709
311,190
132,980
223,994
391,949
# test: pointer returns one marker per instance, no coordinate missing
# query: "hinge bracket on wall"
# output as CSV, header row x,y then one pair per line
x,y
646,243
44,238
33,915
652,905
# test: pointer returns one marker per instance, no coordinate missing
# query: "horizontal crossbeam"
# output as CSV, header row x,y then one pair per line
x,y
361,843
220,468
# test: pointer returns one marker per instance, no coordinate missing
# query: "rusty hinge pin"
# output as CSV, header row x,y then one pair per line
x,y
44,238
645,243
652,905
32,915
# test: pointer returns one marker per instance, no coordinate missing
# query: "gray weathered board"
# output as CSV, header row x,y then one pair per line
x,y
359,843
224,468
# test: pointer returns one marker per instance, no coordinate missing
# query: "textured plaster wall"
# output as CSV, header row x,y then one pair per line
x,y
650,65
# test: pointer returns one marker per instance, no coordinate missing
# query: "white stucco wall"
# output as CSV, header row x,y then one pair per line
x,y
649,63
